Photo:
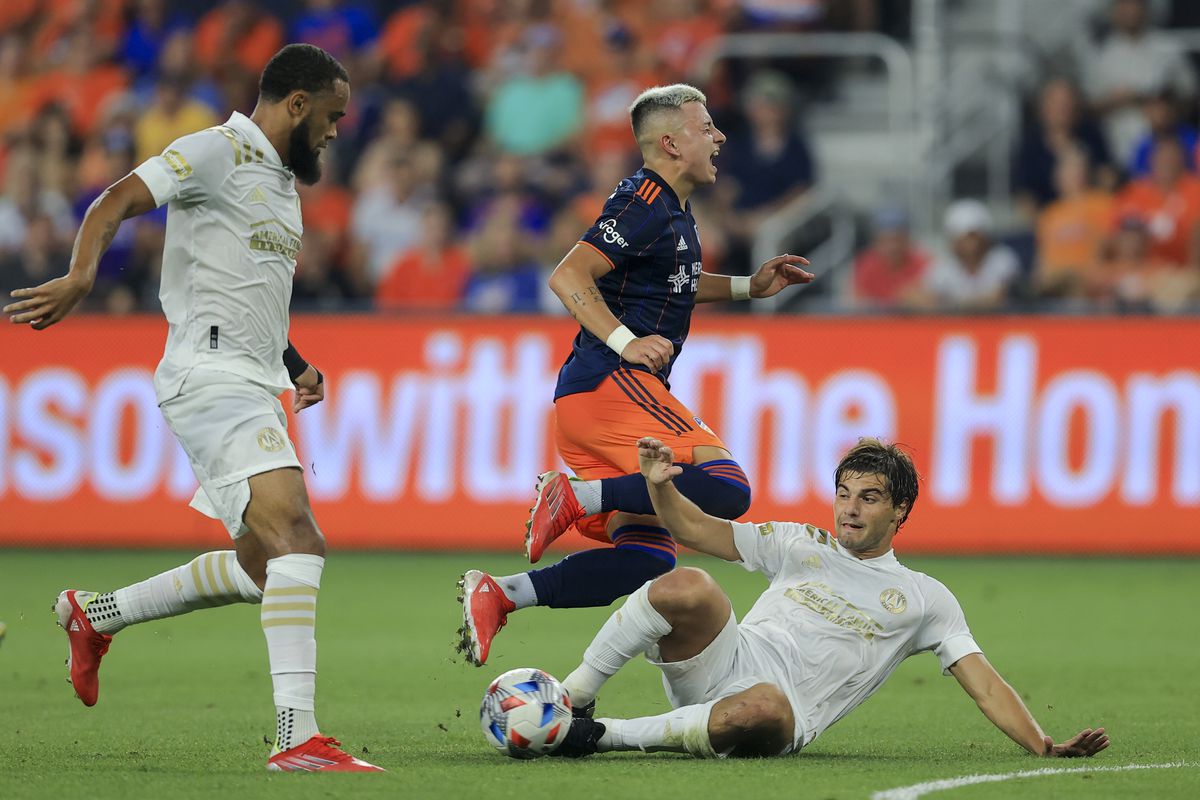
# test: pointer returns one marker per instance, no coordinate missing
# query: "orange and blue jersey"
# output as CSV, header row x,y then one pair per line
x,y
653,245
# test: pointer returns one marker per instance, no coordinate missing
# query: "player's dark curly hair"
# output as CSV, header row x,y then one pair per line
x,y
299,67
875,457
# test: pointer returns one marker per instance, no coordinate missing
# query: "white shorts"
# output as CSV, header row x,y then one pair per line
x,y
732,663
230,429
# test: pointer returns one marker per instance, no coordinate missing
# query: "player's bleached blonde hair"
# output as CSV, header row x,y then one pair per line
x,y
658,99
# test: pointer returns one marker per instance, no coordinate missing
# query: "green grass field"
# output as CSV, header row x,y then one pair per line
x,y
185,703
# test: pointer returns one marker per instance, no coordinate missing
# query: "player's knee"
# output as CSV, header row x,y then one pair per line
x,y
758,721
728,494
649,539
685,591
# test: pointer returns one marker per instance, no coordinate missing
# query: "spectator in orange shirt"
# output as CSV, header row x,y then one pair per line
x,y
893,268
431,275
1133,279
236,31
1072,229
1169,201
611,93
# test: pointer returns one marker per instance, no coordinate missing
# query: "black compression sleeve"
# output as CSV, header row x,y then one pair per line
x,y
296,365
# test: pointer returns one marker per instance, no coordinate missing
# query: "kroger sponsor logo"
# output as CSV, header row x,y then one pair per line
x,y
609,228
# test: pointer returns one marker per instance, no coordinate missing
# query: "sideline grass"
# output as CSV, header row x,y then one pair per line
x,y
185,703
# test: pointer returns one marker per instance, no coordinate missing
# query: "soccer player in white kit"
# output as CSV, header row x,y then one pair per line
x,y
839,616
233,231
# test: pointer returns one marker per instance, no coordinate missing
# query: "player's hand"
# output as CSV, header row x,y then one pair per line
x,y
310,389
1084,744
777,273
47,304
652,351
656,461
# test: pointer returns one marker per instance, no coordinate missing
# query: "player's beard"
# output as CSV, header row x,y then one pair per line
x,y
303,158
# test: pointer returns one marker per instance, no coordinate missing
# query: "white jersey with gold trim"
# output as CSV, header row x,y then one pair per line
x,y
836,626
233,232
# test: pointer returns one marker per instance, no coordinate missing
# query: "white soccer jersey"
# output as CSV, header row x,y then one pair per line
x,y
233,231
836,625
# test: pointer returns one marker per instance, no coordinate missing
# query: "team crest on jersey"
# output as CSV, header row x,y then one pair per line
x,y
271,440
812,562
687,276
766,529
893,600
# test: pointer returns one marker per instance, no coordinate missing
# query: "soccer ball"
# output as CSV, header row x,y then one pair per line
x,y
525,713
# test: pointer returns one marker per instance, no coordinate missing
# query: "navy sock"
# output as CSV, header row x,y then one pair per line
x,y
719,487
597,577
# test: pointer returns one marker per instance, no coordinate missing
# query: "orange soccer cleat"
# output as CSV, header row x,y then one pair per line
x,y
319,754
554,511
87,646
485,610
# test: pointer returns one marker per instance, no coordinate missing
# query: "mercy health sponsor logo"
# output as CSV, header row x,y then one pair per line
x,y
1024,440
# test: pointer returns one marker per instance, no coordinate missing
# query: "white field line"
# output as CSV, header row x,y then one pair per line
x,y
919,789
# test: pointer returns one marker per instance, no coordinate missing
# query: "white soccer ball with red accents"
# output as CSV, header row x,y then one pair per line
x,y
525,713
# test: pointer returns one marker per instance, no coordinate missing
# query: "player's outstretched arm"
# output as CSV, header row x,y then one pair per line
x,y
772,277
44,305
574,281
1000,703
688,525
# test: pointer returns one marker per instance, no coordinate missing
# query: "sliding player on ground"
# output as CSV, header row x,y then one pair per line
x,y
839,616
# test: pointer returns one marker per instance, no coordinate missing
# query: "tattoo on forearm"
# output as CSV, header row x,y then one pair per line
x,y
110,230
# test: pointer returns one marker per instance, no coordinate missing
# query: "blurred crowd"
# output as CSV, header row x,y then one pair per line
x,y
1106,194
484,135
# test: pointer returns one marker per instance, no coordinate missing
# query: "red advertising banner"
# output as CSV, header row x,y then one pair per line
x,y
1032,434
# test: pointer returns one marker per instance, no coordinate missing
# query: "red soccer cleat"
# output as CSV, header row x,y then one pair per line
x,y
485,610
87,646
319,754
554,511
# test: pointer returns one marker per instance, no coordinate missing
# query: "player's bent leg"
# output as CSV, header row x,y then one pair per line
x,y
712,480
694,606
91,619
642,551
753,723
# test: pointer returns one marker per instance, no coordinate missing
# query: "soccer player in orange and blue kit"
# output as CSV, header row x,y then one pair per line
x,y
631,282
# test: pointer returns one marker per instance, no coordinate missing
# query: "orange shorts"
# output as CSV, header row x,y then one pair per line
x,y
597,431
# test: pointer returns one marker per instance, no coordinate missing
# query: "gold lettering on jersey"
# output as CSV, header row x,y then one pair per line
x,y
829,604
766,529
893,600
271,440
178,163
274,242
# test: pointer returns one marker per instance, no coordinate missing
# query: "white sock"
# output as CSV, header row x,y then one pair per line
x,y
289,618
211,579
682,730
588,495
519,589
631,629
